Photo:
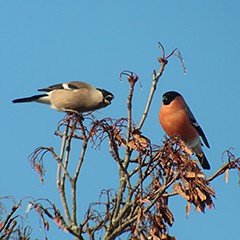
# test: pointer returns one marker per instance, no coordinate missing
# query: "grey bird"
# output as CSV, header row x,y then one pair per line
x,y
70,97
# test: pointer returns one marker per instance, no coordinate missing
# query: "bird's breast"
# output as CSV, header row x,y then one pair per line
x,y
177,123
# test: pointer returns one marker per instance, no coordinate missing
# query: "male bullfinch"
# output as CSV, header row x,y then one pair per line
x,y
177,120
72,97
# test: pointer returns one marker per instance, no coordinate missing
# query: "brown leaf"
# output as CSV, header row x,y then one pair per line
x,y
200,207
137,222
120,139
142,236
159,222
209,202
144,141
144,200
203,186
134,238
226,175
194,175
188,207
167,237
177,187
138,142
132,144
39,170
167,216
183,146
201,195
46,225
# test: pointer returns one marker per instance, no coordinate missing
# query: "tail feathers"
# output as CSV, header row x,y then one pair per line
x,y
203,161
36,98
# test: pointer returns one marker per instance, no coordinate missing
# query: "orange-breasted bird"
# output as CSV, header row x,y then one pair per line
x,y
177,119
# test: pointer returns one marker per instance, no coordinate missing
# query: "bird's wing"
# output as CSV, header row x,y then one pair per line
x,y
196,125
51,88
67,86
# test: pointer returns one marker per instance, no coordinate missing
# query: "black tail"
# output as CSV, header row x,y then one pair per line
x,y
203,161
29,99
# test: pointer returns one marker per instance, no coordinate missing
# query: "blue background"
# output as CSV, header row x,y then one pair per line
x,y
48,42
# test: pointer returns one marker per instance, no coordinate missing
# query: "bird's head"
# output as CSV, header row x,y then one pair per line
x,y
168,97
107,96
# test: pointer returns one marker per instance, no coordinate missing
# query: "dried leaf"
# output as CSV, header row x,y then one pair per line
x,y
209,203
39,170
138,142
142,236
143,141
134,238
183,146
194,175
144,200
167,237
132,144
201,207
137,222
46,225
28,208
203,186
155,237
177,187
159,221
201,195
167,216
120,139
188,207
226,175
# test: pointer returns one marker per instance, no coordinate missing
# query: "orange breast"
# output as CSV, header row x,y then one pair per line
x,y
175,121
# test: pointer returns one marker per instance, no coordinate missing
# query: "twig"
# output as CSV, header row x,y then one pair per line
x,y
222,170
61,184
75,178
64,139
152,91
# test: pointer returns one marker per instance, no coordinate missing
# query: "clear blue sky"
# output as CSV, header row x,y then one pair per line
x,y
48,42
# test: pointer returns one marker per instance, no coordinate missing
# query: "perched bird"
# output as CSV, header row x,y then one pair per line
x,y
177,120
72,97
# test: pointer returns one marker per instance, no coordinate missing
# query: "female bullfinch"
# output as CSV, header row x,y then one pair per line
x,y
73,96
177,120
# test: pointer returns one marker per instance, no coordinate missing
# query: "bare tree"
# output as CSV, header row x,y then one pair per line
x,y
139,207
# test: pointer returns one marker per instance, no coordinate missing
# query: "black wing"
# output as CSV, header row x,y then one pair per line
x,y
197,127
51,88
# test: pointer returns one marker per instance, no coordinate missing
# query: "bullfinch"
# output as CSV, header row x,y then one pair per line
x,y
73,96
177,119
